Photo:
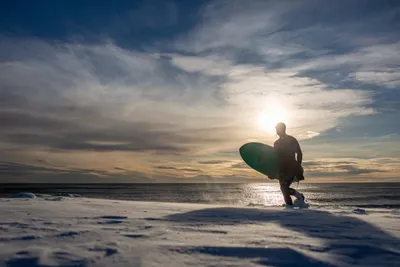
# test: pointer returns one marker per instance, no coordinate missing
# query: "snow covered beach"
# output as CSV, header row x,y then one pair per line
x,y
68,231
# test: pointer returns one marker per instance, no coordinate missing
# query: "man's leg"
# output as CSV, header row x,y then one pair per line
x,y
292,175
286,190
292,191
295,193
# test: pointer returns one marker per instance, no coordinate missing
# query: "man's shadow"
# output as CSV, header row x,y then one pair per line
x,y
347,239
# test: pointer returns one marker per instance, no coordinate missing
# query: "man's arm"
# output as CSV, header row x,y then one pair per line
x,y
299,153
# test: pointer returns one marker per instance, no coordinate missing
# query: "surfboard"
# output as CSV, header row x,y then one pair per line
x,y
260,157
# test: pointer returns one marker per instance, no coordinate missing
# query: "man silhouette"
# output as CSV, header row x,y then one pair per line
x,y
288,166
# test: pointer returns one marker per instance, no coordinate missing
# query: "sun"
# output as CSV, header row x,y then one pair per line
x,y
270,116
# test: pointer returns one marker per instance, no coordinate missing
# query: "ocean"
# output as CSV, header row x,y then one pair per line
x,y
363,195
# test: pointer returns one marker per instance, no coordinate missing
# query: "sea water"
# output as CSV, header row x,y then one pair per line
x,y
363,195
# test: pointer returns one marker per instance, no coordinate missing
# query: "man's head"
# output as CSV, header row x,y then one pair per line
x,y
280,129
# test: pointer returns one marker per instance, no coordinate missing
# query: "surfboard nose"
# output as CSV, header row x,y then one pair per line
x,y
260,157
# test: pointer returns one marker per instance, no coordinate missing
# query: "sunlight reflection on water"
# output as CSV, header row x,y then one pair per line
x,y
262,194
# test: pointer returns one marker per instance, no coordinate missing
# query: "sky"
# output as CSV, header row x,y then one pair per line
x,y
166,91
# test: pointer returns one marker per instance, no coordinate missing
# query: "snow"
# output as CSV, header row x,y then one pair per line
x,y
95,232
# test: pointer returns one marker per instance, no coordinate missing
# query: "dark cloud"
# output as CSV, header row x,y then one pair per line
x,y
337,168
165,168
354,170
120,169
133,147
176,168
213,162
86,129
67,98
12,169
9,99
239,165
16,169
23,120
26,128
16,172
311,163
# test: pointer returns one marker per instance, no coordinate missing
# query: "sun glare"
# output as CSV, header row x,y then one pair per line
x,y
270,116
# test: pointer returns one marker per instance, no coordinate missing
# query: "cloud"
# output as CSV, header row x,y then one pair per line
x,y
230,25
311,134
120,169
287,54
19,169
165,167
353,170
248,90
239,165
198,94
389,78
210,65
213,162
59,133
186,169
11,172
80,97
349,168
374,56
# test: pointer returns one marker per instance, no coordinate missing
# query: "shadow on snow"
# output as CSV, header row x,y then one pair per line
x,y
346,238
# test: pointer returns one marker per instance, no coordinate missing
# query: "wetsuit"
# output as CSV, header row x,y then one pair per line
x,y
289,168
